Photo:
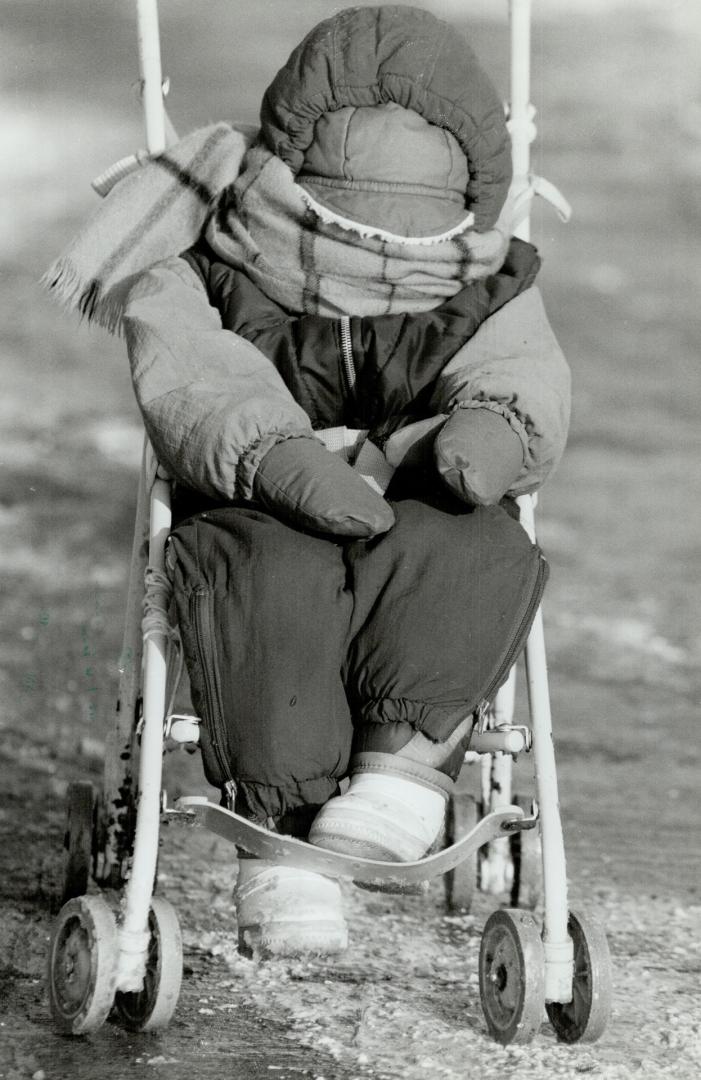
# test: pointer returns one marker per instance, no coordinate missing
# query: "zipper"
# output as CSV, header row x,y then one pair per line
x,y
201,620
517,642
347,353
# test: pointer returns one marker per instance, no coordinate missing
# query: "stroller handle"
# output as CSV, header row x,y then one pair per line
x,y
151,75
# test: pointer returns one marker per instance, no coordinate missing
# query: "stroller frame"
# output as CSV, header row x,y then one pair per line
x,y
115,839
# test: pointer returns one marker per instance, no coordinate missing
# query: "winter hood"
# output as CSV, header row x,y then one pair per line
x,y
386,119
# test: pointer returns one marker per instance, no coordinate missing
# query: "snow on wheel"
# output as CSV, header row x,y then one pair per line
x,y
79,839
584,1018
461,882
512,976
83,957
527,858
153,1006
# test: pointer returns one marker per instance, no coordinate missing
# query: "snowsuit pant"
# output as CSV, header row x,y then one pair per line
x,y
302,650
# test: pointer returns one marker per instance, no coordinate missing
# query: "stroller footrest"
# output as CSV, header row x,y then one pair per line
x,y
288,851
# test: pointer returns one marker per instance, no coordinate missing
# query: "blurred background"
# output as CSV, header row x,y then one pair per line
x,y
617,88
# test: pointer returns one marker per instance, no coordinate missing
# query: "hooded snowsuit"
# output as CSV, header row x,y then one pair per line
x,y
300,648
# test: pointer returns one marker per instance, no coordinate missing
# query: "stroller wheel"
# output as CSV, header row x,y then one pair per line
x,y
79,839
584,1018
153,1006
527,857
82,965
512,976
461,882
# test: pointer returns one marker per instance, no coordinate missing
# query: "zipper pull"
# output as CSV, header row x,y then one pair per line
x,y
480,715
229,794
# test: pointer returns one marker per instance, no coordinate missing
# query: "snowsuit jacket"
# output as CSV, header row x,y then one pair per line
x,y
394,359
214,403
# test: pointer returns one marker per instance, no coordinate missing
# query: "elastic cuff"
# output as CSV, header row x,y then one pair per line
x,y
436,721
390,765
289,808
512,419
251,458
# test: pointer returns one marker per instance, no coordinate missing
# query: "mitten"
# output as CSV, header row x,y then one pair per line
x,y
478,455
302,482
412,446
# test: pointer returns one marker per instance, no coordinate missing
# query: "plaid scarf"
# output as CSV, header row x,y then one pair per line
x,y
257,219
155,212
301,256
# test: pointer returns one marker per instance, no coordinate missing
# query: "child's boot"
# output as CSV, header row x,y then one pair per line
x,y
395,806
282,911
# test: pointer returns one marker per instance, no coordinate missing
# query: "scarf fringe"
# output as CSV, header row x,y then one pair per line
x,y
151,214
69,289
329,217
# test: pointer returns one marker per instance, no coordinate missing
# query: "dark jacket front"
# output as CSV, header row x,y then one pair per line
x,y
395,358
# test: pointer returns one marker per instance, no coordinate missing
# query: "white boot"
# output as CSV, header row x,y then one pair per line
x,y
282,911
387,815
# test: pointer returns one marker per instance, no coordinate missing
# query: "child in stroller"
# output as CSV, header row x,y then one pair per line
x,y
359,272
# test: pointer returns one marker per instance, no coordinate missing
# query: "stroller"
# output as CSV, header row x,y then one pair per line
x,y
132,962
